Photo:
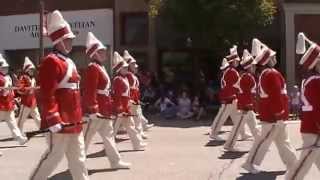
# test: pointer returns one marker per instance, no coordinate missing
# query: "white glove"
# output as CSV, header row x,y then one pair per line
x,y
55,128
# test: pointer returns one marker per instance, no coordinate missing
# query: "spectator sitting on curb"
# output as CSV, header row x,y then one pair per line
x,y
184,106
167,107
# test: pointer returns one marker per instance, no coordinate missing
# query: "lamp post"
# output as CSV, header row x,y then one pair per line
x,y
195,64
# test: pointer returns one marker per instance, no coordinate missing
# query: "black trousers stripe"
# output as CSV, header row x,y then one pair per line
x,y
237,128
45,157
304,160
219,118
260,144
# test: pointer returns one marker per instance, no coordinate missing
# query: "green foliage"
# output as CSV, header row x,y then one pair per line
x,y
217,23
154,7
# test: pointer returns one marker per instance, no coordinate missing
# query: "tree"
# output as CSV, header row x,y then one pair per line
x,y
216,24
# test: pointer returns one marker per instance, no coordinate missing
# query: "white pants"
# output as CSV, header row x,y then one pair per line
x,y
9,117
224,112
25,112
144,120
138,121
105,130
71,145
278,133
248,118
128,124
307,158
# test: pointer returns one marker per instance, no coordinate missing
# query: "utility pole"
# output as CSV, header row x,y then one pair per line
x,y
41,46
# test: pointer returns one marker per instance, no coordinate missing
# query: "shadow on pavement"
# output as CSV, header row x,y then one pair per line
x,y
98,154
102,153
94,171
213,143
65,175
11,147
269,175
177,123
232,155
125,151
7,139
118,140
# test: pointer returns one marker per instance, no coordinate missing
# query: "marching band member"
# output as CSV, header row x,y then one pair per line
x,y
273,110
97,101
135,105
27,87
60,104
310,123
246,101
121,98
228,95
7,102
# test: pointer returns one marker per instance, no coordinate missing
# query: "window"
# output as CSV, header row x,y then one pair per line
x,y
134,29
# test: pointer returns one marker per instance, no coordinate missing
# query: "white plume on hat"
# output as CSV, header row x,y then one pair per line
x,y
234,50
301,44
118,62
28,64
93,44
3,62
311,56
224,64
256,47
233,56
58,27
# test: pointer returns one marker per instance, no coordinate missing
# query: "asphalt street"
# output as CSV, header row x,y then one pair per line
x,y
177,150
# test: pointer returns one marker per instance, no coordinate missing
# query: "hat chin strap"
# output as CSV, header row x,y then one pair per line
x,y
64,48
317,67
4,70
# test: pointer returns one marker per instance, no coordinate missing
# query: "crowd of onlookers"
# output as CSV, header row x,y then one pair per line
x,y
179,101
176,100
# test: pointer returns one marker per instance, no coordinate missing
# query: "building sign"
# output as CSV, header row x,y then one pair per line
x,y
22,31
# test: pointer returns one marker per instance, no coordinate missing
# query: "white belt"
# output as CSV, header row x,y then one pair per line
x,y
73,86
103,92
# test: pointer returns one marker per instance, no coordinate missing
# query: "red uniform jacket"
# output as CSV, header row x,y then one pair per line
x,y
6,96
310,97
59,92
96,90
247,92
28,97
134,87
273,99
121,94
229,85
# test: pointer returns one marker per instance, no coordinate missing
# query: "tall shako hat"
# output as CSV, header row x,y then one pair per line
x,y
27,65
127,57
118,62
247,60
58,28
263,54
3,62
93,45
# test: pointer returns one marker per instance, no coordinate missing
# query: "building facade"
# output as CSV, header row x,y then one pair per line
x,y
120,24
299,16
